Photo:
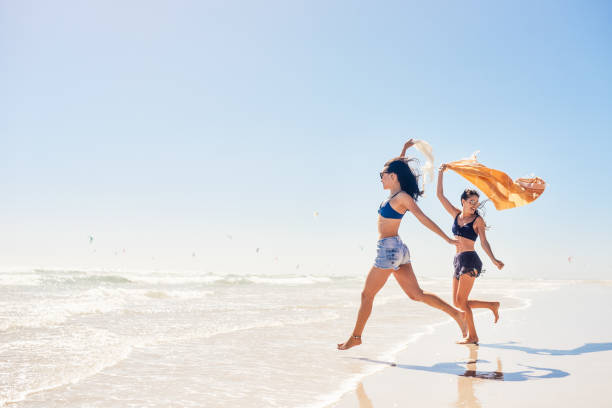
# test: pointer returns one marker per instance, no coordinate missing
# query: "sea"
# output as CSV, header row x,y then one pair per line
x,y
111,338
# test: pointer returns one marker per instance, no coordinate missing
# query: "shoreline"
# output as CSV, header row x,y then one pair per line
x,y
519,363
183,332
355,384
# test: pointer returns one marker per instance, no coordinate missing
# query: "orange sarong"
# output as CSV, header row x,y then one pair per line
x,y
497,185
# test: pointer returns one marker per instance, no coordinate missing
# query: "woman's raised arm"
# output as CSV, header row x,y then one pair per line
x,y
452,210
407,145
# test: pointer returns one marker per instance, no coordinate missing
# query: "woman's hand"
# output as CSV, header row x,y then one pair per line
x,y
443,168
452,241
498,263
407,145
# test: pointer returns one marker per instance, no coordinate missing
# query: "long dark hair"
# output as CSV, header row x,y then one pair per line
x,y
408,176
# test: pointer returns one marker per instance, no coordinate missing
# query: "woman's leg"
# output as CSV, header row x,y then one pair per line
x,y
466,282
408,282
481,304
476,304
375,281
455,288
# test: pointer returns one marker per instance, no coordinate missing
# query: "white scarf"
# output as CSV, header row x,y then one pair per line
x,y
428,168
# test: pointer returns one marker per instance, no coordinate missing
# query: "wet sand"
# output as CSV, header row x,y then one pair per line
x,y
557,352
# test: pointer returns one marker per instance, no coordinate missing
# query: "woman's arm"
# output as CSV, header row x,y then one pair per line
x,y
407,145
409,203
452,210
479,226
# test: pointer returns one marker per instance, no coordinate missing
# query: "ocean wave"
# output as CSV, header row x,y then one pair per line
x,y
55,310
215,279
46,363
76,277
19,279
51,311
192,332
146,294
84,280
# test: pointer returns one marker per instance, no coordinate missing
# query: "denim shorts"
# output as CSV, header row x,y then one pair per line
x,y
391,252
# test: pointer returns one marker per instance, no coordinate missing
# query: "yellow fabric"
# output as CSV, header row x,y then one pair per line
x,y
497,185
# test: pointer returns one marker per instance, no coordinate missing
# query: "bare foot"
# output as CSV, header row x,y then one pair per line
x,y
469,340
495,310
351,342
460,319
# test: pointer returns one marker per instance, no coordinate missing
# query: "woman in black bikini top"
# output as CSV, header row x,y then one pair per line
x,y
467,227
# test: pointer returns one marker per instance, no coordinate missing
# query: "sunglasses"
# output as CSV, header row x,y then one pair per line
x,y
383,172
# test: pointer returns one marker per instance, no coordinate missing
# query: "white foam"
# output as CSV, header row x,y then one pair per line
x,y
49,311
51,362
297,280
187,311
19,279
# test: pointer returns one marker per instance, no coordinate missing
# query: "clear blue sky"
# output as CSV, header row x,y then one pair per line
x,y
163,127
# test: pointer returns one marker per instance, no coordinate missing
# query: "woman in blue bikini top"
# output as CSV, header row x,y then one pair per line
x,y
393,256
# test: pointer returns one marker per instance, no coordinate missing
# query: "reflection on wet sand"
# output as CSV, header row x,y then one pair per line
x,y
487,375
468,376
466,397
362,397
459,368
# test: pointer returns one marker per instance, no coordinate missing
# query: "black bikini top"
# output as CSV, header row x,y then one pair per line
x,y
465,231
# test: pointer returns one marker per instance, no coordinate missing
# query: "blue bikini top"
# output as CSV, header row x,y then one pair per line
x,y
386,211
465,231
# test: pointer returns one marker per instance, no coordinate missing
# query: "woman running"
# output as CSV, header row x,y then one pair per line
x,y
468,226
392,254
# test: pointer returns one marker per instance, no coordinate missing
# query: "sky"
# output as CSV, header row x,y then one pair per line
x,y
204,135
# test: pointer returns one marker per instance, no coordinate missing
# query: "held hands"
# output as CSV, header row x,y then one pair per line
x,y
498,263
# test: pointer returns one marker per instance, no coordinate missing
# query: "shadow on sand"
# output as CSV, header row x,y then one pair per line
x,y
586,348
468,377
468,369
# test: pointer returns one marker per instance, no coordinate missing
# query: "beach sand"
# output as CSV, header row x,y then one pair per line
x,y
555,352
